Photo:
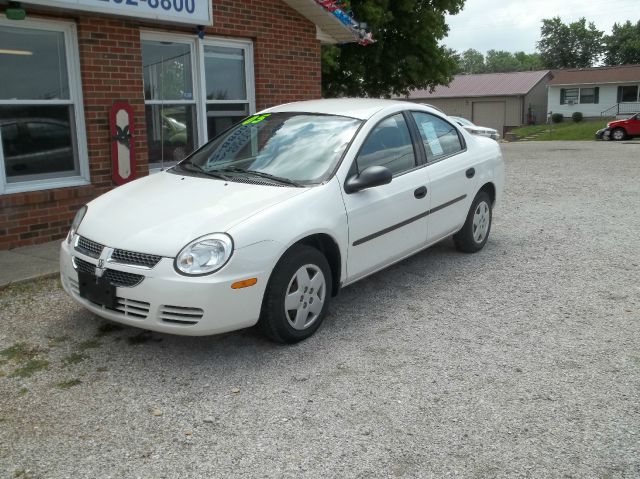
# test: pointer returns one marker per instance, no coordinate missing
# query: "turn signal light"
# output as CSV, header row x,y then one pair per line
x,y
244,283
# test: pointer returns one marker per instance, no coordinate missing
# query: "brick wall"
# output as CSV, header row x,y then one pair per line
x,y
287,68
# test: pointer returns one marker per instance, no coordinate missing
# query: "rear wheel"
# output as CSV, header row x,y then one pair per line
x,y
475,232
297,296
619,134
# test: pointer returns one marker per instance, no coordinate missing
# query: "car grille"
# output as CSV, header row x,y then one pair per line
x,y
127,307
180,314
117,278
135,259
88,247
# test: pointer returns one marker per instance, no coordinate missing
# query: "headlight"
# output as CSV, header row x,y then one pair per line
x,y
204,255
76,223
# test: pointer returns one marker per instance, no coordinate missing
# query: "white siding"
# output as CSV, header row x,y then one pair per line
x,y
608,98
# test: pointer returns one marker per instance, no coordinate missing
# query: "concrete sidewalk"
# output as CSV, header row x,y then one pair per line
x,y
29,262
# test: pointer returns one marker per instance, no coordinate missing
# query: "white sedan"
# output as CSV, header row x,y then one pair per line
x,y
266,222
475,129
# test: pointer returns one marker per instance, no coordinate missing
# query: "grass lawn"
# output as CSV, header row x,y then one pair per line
x,y
567,130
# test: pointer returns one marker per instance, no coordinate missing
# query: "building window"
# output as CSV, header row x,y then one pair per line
x,y
569,96
43,143
170,100
628,93
193,90
228,84
589,95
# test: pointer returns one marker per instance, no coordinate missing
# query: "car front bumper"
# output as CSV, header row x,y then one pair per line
x,y
169,302
603,134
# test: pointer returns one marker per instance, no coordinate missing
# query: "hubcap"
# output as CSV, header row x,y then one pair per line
x,y
305,297
618,135
481,220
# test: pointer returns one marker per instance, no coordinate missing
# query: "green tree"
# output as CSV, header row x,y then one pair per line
x,y
622,47
529,61
471,61
407,53
574,45
500,61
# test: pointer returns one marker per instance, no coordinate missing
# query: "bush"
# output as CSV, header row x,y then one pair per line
x,y
557,118
577,117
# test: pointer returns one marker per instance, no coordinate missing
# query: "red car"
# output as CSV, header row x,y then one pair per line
x,y
621,129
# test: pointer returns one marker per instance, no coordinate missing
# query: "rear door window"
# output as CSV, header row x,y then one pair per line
x,y
440,138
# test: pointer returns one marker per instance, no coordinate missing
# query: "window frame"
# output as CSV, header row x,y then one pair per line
x,y
198,76
419,162
247,46
595,95
153,36
72,52
463,141
621,93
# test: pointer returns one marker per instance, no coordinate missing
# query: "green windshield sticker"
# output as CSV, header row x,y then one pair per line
x,y
256,119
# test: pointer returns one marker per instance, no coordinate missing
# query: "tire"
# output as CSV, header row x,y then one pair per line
x,y
301,281
618,134
475,232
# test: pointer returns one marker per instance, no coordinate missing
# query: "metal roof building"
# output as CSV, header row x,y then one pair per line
x,y
496,100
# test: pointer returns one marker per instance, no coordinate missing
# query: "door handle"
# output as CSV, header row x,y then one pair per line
x,y
470,172
420,192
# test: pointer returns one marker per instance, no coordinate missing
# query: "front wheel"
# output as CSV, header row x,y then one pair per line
x,y
297,296
475,232
618,134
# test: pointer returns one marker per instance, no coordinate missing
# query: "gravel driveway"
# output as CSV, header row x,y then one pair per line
x,y
520,361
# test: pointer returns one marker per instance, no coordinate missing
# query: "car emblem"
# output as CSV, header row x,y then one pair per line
x,y
100,269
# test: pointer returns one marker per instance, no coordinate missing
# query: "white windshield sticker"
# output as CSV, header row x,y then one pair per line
x,y
432,138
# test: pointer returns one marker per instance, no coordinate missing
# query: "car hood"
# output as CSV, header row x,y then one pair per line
x,y
163,212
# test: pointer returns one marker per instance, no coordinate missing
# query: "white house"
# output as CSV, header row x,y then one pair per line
x,y
595,92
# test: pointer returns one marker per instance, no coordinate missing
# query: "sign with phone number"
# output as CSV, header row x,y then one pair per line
x,y
193,12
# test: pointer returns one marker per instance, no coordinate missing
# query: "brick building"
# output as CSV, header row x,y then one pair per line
x,y
65,65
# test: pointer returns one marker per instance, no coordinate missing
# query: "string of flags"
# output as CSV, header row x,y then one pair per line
x,y
341,9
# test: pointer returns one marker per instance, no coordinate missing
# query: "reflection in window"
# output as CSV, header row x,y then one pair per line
x,y
167,71
226,87
223,116
37,113
170,104
440,138
37,141
170,133
298,146
388,145
224,73
26,51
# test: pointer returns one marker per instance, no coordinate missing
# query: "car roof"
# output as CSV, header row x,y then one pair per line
x,y
361,108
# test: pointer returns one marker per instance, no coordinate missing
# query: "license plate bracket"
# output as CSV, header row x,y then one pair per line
x,y
97,290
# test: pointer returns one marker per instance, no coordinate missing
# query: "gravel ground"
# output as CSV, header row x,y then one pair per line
x,y
520,361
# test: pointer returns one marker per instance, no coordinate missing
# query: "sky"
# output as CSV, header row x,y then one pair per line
x,y
514,25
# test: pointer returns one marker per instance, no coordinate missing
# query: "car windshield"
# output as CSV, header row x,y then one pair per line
x,y
291,148
462,121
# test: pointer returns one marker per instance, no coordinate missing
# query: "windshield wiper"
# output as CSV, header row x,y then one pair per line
x,y
261,174
198,169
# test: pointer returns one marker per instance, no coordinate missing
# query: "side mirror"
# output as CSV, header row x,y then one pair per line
x,y
368,178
